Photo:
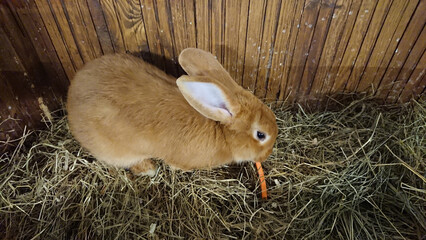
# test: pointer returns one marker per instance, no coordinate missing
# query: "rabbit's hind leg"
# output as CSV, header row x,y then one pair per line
x,y
144,167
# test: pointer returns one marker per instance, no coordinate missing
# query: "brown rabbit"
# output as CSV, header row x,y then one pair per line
x,y
125,112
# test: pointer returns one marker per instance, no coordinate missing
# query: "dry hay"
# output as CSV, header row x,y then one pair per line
x,y
358,173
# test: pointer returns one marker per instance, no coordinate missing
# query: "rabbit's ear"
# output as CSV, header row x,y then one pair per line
x,y
197,62
209,98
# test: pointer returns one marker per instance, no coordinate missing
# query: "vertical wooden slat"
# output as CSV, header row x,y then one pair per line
x,y
55,36
42,43
337,27
402,28
376,24
267,46
165,33
88,50
217,27
189,7
179,28
66,33
22,79
301,51
415,83
317,45
99,21
281,45
24,54
390,34
352,50
232,24
350,18
132,26
203,24
242,40
289,53
113,25
405,45
406,70
152,32
88,24
253,45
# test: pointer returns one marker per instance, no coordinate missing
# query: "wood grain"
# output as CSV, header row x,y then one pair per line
x,y
407,69
415,83
289,53
55,35
101,28
59,14
253,43
334,36
267,47
301,50
368,43
281,48
386,42
354,45
321,27
242,40
203,24
414,29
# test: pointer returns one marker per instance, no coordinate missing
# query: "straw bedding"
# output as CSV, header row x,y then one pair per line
x,y
356,173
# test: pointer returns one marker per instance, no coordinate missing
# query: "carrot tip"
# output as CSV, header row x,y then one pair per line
x,y
262,180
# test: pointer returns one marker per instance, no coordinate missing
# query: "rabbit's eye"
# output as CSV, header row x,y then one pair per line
x,y
260,135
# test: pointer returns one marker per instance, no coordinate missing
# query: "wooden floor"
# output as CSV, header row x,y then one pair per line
x,y
293,50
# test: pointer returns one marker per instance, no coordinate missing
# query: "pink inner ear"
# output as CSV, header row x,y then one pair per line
x,y
208,95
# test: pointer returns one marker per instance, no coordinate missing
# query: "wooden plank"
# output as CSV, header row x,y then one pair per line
x,y
152,33
301,50
350,17
34,26
86,18
110,14
232,24
406,70
242,40
416,82
177,9
267,47
55,36
132,26
281,44
321,26
183,25
384,42
66,33
376,24
217,29
165,33
337,27
352,50
405,45
253,45
24,53
191,31
232,37
79,30
203,24
290,49
99,21
17,96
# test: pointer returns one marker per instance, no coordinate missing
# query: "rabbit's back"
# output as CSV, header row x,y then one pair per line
x,y
117,103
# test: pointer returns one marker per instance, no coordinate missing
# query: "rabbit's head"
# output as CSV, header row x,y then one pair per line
x,y
249,126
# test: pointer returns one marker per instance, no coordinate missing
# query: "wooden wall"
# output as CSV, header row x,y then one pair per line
x,y
293,50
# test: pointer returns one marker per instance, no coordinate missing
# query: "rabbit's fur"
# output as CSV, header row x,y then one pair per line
x,y
126,111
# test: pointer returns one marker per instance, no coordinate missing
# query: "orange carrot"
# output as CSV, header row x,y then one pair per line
x,y
262,180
